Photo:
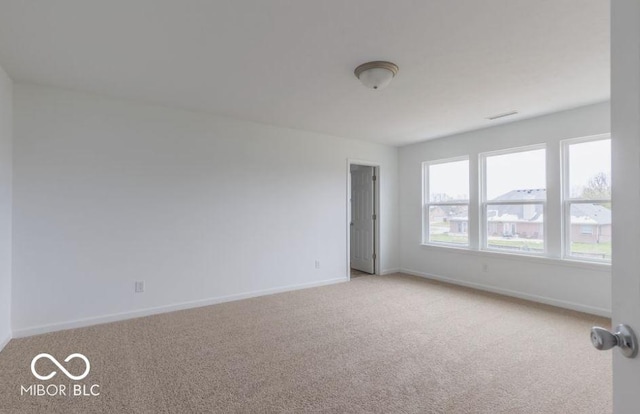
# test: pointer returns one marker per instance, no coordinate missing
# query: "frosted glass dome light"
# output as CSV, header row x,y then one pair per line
x,y
376,75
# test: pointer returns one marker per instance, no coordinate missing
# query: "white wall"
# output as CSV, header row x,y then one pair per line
x,y
573,285
6,120
206,209
202,208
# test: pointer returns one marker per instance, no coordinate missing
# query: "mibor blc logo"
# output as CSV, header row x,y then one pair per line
x,y
60,389
55,361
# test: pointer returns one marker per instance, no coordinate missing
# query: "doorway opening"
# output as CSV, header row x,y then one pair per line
x,y
363,214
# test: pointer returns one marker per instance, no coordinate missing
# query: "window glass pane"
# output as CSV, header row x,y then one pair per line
x,y
516,227
590,231
449,224
590,170
516,176
449,181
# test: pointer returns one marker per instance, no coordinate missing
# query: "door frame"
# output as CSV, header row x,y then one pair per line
x,y
376,207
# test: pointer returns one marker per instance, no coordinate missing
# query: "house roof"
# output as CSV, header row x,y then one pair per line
x,y
590,213
528,194
586,213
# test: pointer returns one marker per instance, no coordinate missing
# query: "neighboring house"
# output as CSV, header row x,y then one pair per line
x,y
443,213
590,223
438,214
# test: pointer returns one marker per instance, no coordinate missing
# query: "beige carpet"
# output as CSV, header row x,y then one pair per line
x,y
357,273
393,344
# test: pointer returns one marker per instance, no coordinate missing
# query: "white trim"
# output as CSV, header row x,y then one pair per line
x,y
506,151
376,207
520,295
515,203
79,323
588,138
390,271
565,212
587,201
4,342
446,160
552,261
448,203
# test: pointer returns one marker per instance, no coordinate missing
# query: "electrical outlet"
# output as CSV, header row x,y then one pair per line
x,y
139,286
317,264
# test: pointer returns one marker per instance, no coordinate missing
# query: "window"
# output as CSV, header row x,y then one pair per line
x,y
587,198
586,229
513,200
510,209
446,202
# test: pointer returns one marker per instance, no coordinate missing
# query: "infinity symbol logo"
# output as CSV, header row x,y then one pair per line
x,y
67,373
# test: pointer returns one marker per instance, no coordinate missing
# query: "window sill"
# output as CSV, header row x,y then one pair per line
x,y
603,267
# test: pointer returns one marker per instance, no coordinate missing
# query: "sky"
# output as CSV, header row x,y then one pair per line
x,y
521,170
515,171
451,178
586,160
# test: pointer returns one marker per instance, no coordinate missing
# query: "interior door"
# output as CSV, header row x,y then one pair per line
x,y
625,149
362,218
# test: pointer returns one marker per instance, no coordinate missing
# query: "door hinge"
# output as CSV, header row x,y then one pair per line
x,y
375,216
374,256
374,178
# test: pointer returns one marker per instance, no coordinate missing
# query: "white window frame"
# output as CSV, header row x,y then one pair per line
x,y
427,204
568,201
484,203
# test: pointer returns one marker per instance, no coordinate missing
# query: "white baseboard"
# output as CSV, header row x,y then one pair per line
x,y
389,271
521,295
4,342
80,323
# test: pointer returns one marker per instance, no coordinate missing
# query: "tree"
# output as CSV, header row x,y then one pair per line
x,y
598,187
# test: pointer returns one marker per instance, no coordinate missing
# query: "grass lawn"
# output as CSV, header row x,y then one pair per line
x,y
446,238
517,244
600,250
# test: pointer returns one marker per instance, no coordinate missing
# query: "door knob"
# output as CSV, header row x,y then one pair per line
x,y
624,338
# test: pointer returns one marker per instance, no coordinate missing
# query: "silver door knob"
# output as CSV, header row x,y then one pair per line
x,y
624,338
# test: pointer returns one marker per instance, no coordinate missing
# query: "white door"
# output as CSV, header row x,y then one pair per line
x,y
362,218
625,147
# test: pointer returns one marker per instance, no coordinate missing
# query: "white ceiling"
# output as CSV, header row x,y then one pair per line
x,y
290,62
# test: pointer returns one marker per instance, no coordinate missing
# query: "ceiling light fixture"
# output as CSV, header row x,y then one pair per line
x,y
376,75
491,118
